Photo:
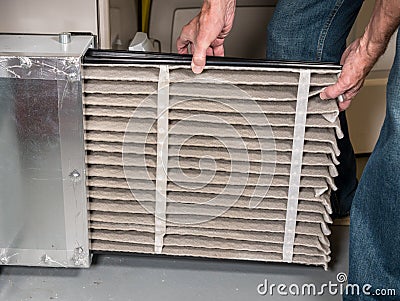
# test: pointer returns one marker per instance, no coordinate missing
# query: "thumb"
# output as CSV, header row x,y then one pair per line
x,y
199,57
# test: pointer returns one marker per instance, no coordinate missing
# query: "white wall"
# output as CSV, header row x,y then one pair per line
x,y
48,16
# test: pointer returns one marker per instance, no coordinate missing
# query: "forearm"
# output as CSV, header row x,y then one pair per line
x,y
359,58
210,11
383,23
222,4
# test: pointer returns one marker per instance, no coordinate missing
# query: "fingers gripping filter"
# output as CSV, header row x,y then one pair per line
x,y
236,163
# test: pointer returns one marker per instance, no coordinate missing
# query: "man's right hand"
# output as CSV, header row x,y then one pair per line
x,y
206,33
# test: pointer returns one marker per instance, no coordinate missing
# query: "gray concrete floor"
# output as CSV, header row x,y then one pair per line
x,y
136,277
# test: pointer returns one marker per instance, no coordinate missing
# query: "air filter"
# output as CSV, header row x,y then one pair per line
x,y
235,163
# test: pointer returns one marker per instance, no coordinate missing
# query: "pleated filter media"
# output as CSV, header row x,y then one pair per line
x,y
235,163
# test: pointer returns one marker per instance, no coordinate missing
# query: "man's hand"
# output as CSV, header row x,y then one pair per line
x,y
357,63
205,34
361,55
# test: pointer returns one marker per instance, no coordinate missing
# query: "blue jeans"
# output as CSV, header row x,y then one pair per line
x,y
316,30
375,215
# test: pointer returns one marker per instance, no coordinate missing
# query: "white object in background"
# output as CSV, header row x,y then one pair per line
x,y
141,42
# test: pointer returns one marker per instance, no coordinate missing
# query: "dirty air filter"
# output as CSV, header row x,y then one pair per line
x,y
235,163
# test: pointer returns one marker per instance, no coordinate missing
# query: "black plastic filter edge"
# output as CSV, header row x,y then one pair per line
x,y
97,56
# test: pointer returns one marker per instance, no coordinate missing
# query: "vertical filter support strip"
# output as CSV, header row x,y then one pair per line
x,y
296,164
162,158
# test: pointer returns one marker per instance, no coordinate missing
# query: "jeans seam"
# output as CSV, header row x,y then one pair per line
x,y
325,29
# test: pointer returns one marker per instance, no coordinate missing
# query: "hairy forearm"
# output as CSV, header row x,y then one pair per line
x,y
383,23
223,8
361,55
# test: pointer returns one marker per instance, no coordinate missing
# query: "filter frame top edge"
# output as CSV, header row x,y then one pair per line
x,y
99,56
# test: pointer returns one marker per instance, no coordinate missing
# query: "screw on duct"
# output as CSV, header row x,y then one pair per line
x,y
45,259
4,260
79,257
75,176
64,38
